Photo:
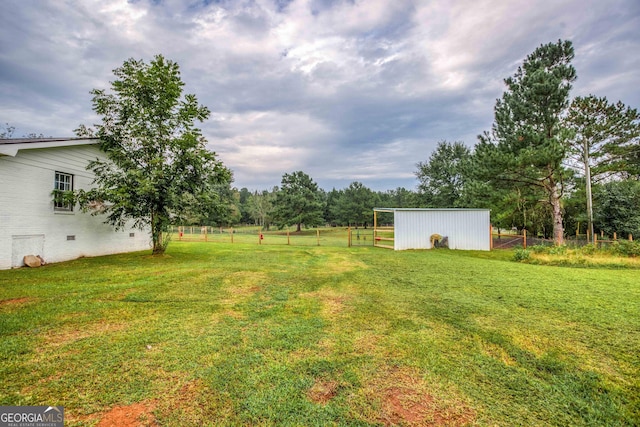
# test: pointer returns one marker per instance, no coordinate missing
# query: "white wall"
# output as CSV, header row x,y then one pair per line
x,y
28,222
465,228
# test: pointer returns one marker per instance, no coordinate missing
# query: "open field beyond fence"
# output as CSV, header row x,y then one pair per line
x,y
219,334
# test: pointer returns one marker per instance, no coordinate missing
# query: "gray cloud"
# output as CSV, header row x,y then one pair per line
x,y
343,90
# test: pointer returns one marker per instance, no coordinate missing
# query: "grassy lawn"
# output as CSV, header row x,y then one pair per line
x,y
220,334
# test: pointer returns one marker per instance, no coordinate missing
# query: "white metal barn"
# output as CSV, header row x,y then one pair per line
x,y
468,229
32,223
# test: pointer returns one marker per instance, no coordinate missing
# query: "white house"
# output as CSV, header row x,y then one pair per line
x,y
468,229
32,224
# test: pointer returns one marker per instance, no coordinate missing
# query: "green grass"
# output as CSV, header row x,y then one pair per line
x,y
219,334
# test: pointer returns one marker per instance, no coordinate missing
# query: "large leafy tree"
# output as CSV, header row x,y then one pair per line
x,y
299,201
158,167
355,205
603,138
526,146
442,177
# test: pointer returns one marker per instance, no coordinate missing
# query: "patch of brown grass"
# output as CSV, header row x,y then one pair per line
x,y
323,391
69,335
404,398
13,302
332,301
188,401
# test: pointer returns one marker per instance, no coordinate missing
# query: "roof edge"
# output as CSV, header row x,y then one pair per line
x,y
10,147
429,209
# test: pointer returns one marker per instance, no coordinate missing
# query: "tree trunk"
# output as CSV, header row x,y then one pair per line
x,y
159,245
558,231
587,175
299,227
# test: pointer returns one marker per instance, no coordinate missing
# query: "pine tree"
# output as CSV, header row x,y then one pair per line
x,y
527,145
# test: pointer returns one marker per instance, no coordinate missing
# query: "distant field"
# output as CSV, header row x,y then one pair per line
x,y
220,334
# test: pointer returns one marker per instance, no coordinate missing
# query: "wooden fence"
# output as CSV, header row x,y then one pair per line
x,y
510,240
328,236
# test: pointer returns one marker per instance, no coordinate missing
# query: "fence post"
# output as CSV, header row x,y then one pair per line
x,y
288,238
318,235
231,232
595,239
630,237
490,237
524,241
615,236
205,233
349,236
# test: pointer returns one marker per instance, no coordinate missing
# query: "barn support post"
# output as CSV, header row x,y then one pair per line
x,y
375,226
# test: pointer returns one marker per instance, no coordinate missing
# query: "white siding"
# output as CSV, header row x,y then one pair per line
x,y
465,228
26,209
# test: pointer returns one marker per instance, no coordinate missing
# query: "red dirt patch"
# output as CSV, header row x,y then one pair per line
x,y
136,415
405,400
323,391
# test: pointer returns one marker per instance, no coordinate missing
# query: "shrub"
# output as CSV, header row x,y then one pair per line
x,y
625,248
558,250
521,255
539,249
588,249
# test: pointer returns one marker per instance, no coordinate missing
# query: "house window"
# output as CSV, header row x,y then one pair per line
x,y
63,182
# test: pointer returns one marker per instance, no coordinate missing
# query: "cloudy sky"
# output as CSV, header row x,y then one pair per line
x,y
344,90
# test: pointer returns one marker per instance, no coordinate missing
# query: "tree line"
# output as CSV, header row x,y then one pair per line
x,y
300,202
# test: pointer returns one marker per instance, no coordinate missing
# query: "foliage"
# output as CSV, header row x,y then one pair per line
x,y
442,178
625,248
298,201
355,205
526,146
589,249
261,207
603,136
225,212
158,167
616,208
520,254
64,197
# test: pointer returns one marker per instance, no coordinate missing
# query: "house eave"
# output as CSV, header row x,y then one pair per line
x,y
10,147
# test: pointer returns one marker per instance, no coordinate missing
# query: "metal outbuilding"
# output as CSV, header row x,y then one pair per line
x,y
468,229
